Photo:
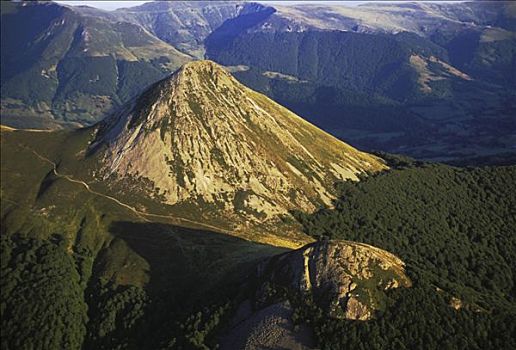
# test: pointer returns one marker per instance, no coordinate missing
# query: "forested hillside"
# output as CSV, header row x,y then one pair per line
x,y
456,224
454,227
333,59
43,304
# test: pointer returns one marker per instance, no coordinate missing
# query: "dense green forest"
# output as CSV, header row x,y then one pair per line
x,y
42,304
333,59
46,303
415,318
454,227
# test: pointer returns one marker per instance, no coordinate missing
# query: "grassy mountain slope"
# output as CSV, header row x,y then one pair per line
x,y
203,141
147,281
130,272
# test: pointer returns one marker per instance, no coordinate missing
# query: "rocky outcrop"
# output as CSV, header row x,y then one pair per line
x,y
346,279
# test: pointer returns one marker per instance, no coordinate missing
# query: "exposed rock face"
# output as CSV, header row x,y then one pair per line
x,y
346,279
185,24
200,136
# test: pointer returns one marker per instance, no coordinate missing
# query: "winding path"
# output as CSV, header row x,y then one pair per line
x,y
142,215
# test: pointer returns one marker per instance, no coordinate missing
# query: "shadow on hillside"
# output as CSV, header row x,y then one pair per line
x,y
180,263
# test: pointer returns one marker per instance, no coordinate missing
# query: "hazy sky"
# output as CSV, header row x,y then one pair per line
x,y
105,5
113,5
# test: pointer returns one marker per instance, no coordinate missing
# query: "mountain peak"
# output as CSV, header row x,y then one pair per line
x,y
186,89
202,137
205,72
199,66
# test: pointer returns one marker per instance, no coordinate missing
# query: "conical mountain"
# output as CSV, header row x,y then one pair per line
x,y
202,138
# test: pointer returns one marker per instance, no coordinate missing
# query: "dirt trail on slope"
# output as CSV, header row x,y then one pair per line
x,y
142,215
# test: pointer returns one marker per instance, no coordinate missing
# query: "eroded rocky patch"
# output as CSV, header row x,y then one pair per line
x,y
346,279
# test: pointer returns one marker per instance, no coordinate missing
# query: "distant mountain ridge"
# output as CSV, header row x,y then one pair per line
x,y
185,24
422,79
414,78
75,65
